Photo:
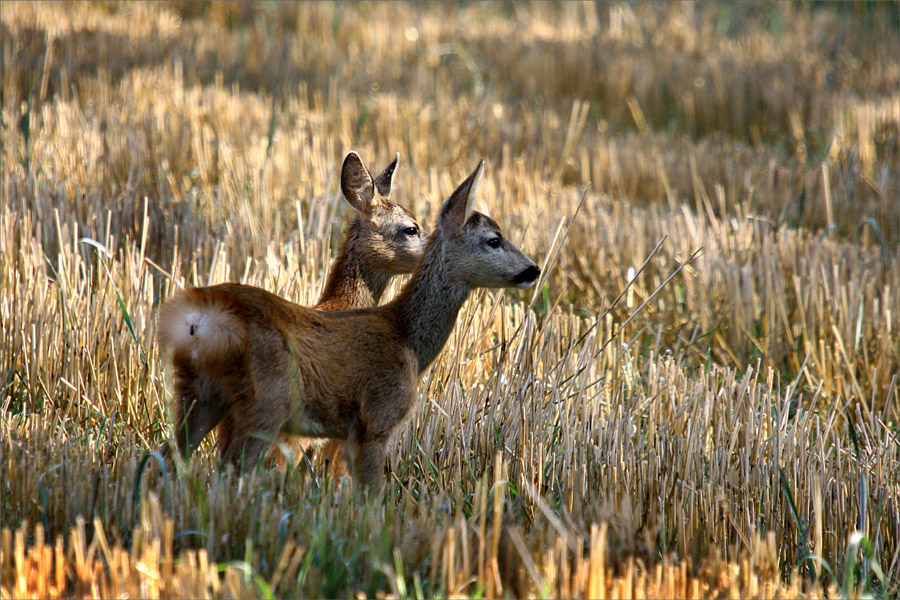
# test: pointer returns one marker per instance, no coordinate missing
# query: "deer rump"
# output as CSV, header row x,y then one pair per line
x,y
263,360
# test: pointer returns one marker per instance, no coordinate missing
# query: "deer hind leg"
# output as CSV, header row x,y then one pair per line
x,y
256,419
335,455
199,406
289,450
330,452
245,439
301,445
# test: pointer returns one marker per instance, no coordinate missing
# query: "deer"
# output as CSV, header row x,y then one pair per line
x,y
350,375
381,241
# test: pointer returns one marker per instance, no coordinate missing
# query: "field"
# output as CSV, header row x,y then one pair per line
x,y
700,398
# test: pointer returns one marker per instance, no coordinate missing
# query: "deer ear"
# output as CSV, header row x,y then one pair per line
x,y
357,184
456,209
384,182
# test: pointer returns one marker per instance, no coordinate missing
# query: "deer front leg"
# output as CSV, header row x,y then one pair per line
x,y
380,415
367,452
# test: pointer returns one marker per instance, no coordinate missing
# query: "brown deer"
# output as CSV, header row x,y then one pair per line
x,y
383,240
350,375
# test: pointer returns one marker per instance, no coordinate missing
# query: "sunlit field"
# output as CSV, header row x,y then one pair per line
x,y
699,398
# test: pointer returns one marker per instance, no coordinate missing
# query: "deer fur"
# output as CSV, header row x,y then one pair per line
x,y
383,240
350,375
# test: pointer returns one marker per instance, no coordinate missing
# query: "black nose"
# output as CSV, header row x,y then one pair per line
x,y
528,275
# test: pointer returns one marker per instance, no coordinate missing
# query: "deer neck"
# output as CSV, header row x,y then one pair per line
x,y
354,282
428,305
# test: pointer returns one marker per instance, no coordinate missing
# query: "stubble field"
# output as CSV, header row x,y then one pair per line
x,y
701,397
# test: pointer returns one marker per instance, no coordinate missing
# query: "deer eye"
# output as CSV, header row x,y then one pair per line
x,y
494,242
411,231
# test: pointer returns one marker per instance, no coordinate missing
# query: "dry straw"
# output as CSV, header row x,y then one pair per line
x,y
728,440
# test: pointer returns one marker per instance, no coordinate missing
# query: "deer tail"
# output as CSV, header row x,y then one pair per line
x,y
200,326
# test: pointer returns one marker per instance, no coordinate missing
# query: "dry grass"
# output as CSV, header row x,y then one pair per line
x,y
728,441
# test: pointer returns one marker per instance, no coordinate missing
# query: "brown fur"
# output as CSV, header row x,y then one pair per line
x,y
349,375
376,245
383,239
372,252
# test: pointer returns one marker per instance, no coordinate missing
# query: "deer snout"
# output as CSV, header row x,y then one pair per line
x,y
527,276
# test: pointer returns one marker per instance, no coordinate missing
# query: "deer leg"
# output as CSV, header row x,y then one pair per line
x,y
335,455
298,446
367,452
248,438
256,419
381,413
199,407
251,426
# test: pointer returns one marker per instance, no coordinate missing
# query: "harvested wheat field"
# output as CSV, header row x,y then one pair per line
x,y
699,398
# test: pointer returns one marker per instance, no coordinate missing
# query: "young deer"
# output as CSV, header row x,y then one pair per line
x,y
383,240
350,375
